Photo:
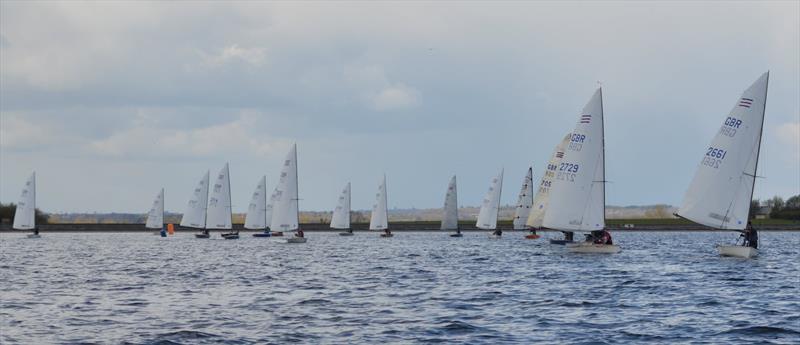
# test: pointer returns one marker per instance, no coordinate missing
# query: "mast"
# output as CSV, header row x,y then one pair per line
x,y
205,207
758,146
296,189
230,200
350,206
603,152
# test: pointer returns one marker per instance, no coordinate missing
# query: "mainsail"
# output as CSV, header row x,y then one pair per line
x,y
270,206
195,215
379,219
542,198
577,194
25,214
450,217
487,217
285,216
341,214
256,217
524,201
219,202
720,193
155,218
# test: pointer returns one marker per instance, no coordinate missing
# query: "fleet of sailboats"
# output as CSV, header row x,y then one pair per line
x,y
720,193
570,196
490,207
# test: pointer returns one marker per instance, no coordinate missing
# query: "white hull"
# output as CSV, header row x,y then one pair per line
x,y
737,251
590,248
296,240
34,236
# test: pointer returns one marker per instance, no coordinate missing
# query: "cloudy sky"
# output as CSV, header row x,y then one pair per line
x,y
109,102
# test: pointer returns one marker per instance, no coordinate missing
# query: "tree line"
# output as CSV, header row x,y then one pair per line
x,y
788,209
7,212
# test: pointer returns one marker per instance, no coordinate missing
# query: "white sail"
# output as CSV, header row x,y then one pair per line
x,y
270,206
379,219
542,198
256,217
219,202
524,201
720,193
155,218
195,215
487,217
285,215
577,194
450,217
25,214
341,214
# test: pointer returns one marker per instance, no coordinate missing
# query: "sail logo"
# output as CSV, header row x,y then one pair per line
x,y
586,118
745,102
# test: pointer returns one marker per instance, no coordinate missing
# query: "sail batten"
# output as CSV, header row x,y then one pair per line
x,y
341,214
379,219
195,215
25,213
256,217
577,193
490,206
450,217
524,201
721,190
155,218
285,215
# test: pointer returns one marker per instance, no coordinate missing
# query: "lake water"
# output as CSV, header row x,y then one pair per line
x,y
664,287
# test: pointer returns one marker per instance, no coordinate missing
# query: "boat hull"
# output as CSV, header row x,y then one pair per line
x,y
387,235
296,240
345,234
532,236
560,242
277,233
593,248
495,237
456,235
262,234
737,251
34,236
230,236
202,235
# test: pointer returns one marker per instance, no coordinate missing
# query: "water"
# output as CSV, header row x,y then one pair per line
x,y
666,287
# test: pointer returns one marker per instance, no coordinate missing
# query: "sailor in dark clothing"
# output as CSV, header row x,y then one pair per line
x,y
750,236
569,236
498,232
299,233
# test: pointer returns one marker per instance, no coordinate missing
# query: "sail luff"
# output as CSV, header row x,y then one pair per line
x,y
524,202
450,216
155,218
487,216
256,217
379,219
341,214
219,214
285,215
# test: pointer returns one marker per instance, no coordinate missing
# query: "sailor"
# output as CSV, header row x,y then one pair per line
x,y
750,236
602,237
498,232
36,231
569,236
299,233
532,230
387,232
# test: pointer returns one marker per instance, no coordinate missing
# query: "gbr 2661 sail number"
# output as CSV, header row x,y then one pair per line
x,y
714,157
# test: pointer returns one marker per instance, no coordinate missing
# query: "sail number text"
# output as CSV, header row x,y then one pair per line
x,y
714,157
728,129
576,141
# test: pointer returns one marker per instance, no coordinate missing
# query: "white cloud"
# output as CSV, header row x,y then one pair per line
x,y
789,136
396,97
145,139
254,56
17,133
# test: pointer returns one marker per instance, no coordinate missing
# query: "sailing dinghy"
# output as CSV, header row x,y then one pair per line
x,y
542,198
195,215
490,207
722,188
25,213
155,218
341,214
577,194
285,211
450,217
524,204
379,219
256,217
268,217
219,214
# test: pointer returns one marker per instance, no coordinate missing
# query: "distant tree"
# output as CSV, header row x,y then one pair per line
x,y
776,203
7,212
789,210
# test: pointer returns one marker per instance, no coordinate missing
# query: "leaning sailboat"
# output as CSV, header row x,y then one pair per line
x,y
450,216
722,188
256,217
490,207
341,214
542,198
577,194
285,211
195,215
25,213
219,213
524,203
379,219
155,218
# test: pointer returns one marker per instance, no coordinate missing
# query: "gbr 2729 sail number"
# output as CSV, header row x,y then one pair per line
x,y
714,157
566,171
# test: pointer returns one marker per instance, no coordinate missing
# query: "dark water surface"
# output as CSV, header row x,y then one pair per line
x,y
665,287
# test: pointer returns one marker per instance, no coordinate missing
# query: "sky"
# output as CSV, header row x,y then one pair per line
x,y
110,101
